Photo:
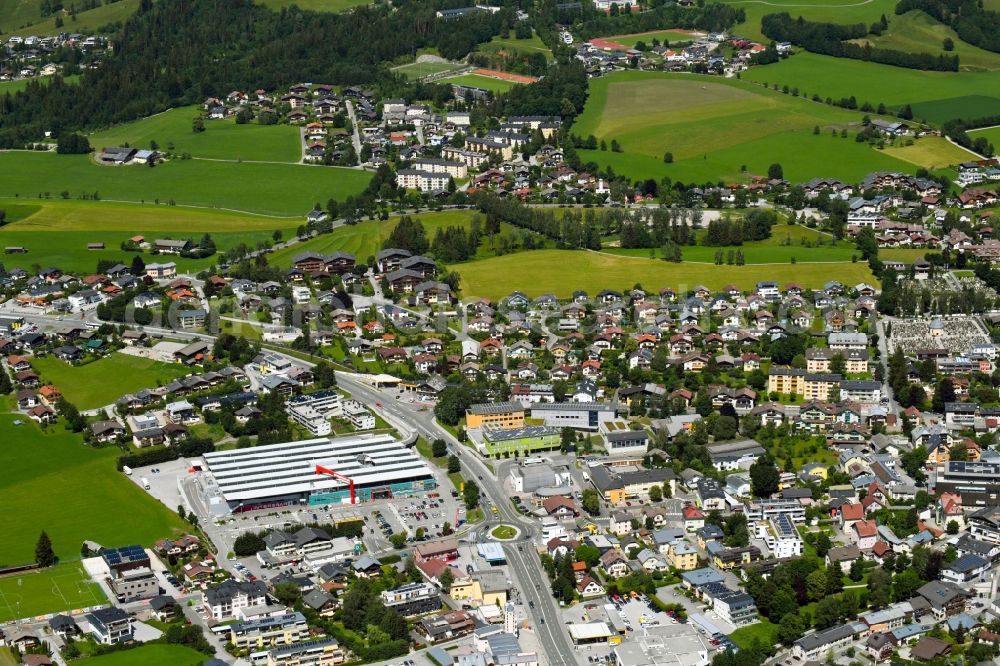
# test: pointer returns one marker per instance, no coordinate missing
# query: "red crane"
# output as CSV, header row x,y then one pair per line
x,y
337,475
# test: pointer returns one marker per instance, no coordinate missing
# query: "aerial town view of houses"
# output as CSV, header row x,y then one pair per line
x,y
529,333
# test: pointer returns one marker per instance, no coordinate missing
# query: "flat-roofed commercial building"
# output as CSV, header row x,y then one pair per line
x,y
579,415
977,482
499,415
379,465
519,441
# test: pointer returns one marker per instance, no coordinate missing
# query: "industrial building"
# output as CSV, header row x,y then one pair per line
x,y
369,467
498,415
579,415
527,478
619,483
977,482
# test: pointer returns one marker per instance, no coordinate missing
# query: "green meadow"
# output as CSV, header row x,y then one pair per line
x,y
534,273
222,139
870,82
316,5
515,45
56,232
917,32
834,11
715,127
53,482
786,242
992,134
101,382
268,189
26,18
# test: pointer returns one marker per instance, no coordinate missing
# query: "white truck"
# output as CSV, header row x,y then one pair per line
x,y
127,470
145,483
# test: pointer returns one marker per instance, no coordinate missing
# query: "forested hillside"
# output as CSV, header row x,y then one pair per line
x,y
176,52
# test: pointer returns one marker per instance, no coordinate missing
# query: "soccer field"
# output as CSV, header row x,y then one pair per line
x,y
63,587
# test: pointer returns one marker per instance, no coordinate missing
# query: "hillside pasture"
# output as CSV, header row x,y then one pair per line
x,y
917,32
837,78
75,481
87,22
833,11
563,271
267,189
714,127
222,139
992,135
931,152
56,232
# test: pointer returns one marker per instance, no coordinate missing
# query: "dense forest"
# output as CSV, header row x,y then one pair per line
x,y
712,17
177,52
831,39
975,25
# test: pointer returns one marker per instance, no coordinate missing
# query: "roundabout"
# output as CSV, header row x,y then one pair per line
x,y
504,533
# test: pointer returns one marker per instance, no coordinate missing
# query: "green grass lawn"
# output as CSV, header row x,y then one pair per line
x,y
153,654
103,381
764,631
917,32
713,127
317,5
907,254
86,22
671,36
268,189
21,84
53,482
60,588
222,139
416,70
534,273
931,152
834,11
503,532
479,81
365,239
770,251
827,76
992,135
56,232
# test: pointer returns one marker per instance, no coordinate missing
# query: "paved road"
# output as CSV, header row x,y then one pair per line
x,y
356,135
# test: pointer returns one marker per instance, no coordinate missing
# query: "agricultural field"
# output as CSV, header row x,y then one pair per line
x,y
479,81
786,242
101,382
60,588
931,152
907,254
75,481
365,239
89,21
715,127
917,32
948,93
56,232
221,140
267,189
533,273
835,11
317,5
417,70
150,654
